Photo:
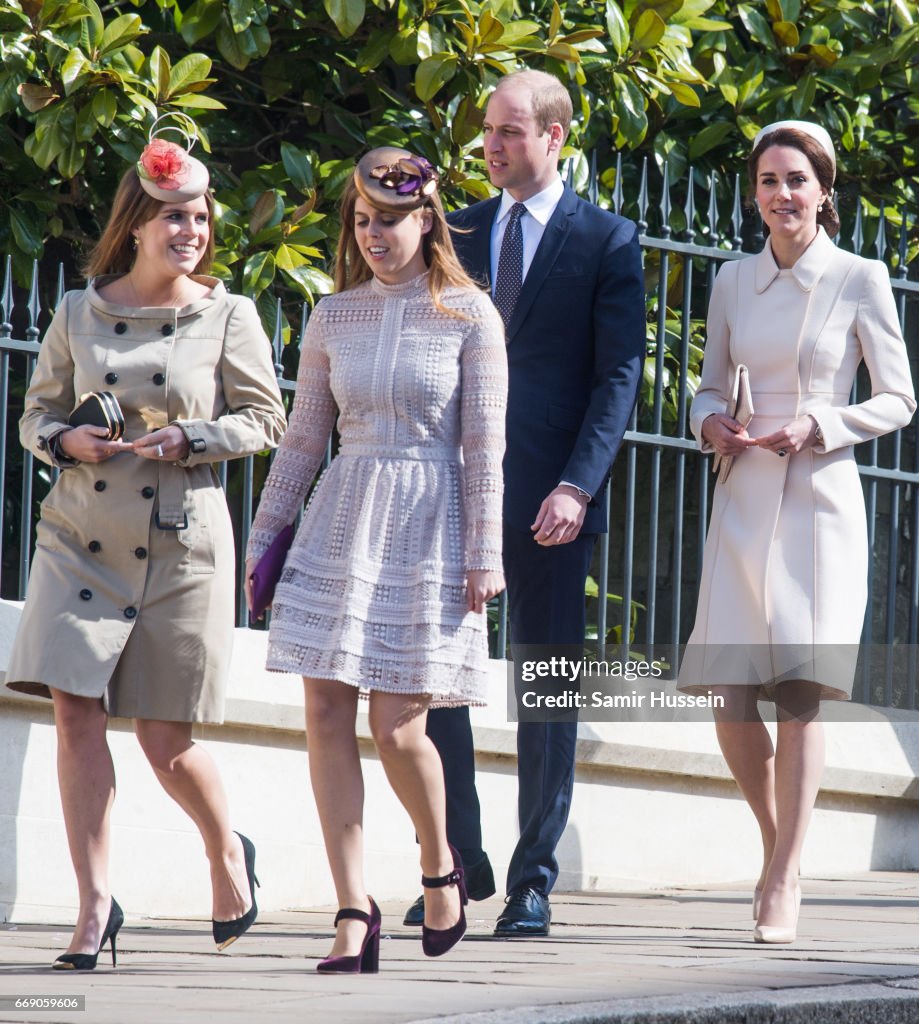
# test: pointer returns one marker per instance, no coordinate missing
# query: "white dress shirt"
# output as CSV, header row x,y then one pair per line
x,y
539,209
532,224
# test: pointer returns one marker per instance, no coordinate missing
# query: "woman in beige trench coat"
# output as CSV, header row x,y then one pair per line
x,y
783,591
130,603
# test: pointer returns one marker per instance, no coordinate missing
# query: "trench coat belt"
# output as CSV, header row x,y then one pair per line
x,y
172,508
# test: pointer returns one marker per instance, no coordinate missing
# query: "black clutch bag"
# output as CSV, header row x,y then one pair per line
x,y
99,409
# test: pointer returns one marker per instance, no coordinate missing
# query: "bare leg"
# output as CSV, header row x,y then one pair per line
x,y
747,748
190,777
338,787
87,782
799,759
416,774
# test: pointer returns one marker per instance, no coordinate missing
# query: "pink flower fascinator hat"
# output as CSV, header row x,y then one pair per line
x,y
168,171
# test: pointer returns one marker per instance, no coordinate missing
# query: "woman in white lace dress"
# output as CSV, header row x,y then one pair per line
x,y
384,588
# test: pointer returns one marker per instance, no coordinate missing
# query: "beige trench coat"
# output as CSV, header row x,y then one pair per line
x,y
784,577
122,604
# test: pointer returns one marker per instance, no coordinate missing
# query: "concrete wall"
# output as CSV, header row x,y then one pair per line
x,y
653,805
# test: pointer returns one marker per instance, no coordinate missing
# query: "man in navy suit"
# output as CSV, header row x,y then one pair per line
x,y
575,327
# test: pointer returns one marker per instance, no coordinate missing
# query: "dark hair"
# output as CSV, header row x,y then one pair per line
x,y
132,206
351,268
820,161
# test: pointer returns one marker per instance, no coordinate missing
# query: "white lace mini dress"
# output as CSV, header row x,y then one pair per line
x,y
373,590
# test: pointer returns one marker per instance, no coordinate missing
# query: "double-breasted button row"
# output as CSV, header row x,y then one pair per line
x,y
130,612
140,553
100,485
94,546
111,378
147,492
85,595
121,327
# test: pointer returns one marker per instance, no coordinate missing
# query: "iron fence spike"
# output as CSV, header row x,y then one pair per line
x,y
643,198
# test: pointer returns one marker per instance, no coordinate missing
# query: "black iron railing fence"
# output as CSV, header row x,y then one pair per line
x,y
658,505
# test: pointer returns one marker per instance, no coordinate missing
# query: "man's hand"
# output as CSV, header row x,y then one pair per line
x,y
560,516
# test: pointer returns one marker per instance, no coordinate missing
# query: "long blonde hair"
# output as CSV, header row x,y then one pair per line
x,y
445,269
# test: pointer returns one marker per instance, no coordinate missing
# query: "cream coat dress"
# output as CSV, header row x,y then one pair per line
x,y
784,576
118,606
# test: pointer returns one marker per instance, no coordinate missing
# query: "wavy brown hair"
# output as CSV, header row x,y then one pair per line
x,y
819,160
114,252
446,271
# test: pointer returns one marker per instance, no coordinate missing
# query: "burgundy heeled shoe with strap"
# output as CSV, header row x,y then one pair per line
x,y
437,941
368,960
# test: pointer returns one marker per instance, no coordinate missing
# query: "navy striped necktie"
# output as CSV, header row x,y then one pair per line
x,y
509,279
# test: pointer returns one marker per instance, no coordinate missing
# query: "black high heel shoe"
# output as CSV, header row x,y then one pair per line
x,y
227,932
437,941
87,961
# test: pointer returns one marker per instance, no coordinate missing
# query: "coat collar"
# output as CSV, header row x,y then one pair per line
x,y
152,312
806,272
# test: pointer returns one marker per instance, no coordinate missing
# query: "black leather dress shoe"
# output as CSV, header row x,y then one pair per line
x,y
527,914
480,884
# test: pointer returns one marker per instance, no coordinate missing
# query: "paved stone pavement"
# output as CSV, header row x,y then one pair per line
x,y
661,956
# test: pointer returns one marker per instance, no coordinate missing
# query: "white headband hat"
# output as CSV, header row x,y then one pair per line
x,y
168,172
816,131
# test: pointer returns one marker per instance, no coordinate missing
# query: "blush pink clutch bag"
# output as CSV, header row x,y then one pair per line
x,y
267,571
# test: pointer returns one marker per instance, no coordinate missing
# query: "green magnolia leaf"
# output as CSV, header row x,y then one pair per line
x,y
617,27
230,45
27,239
649,30
309,281
298,167
194,67
120,32
684,94
375,51
555,20
160,69
104,107
756,25
403,47
347,15
258,273
475,187
774,10
241,14
786,34
74,71
518,32
71,160
200,20
710,136
287,258
433,73
196,101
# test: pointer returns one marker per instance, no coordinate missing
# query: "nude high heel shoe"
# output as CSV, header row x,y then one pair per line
x,y
774,934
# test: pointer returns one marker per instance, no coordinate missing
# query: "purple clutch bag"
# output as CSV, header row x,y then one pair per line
x,y
267,571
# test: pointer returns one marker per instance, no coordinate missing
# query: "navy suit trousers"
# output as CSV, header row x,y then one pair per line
x,y
546,599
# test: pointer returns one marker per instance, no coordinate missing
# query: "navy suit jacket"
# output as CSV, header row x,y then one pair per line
x,y
575,348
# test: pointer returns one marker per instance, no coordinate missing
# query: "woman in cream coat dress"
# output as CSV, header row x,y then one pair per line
x,y
783,590
130,602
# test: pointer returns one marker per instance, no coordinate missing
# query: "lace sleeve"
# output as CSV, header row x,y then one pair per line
x,y
301,452
484,399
